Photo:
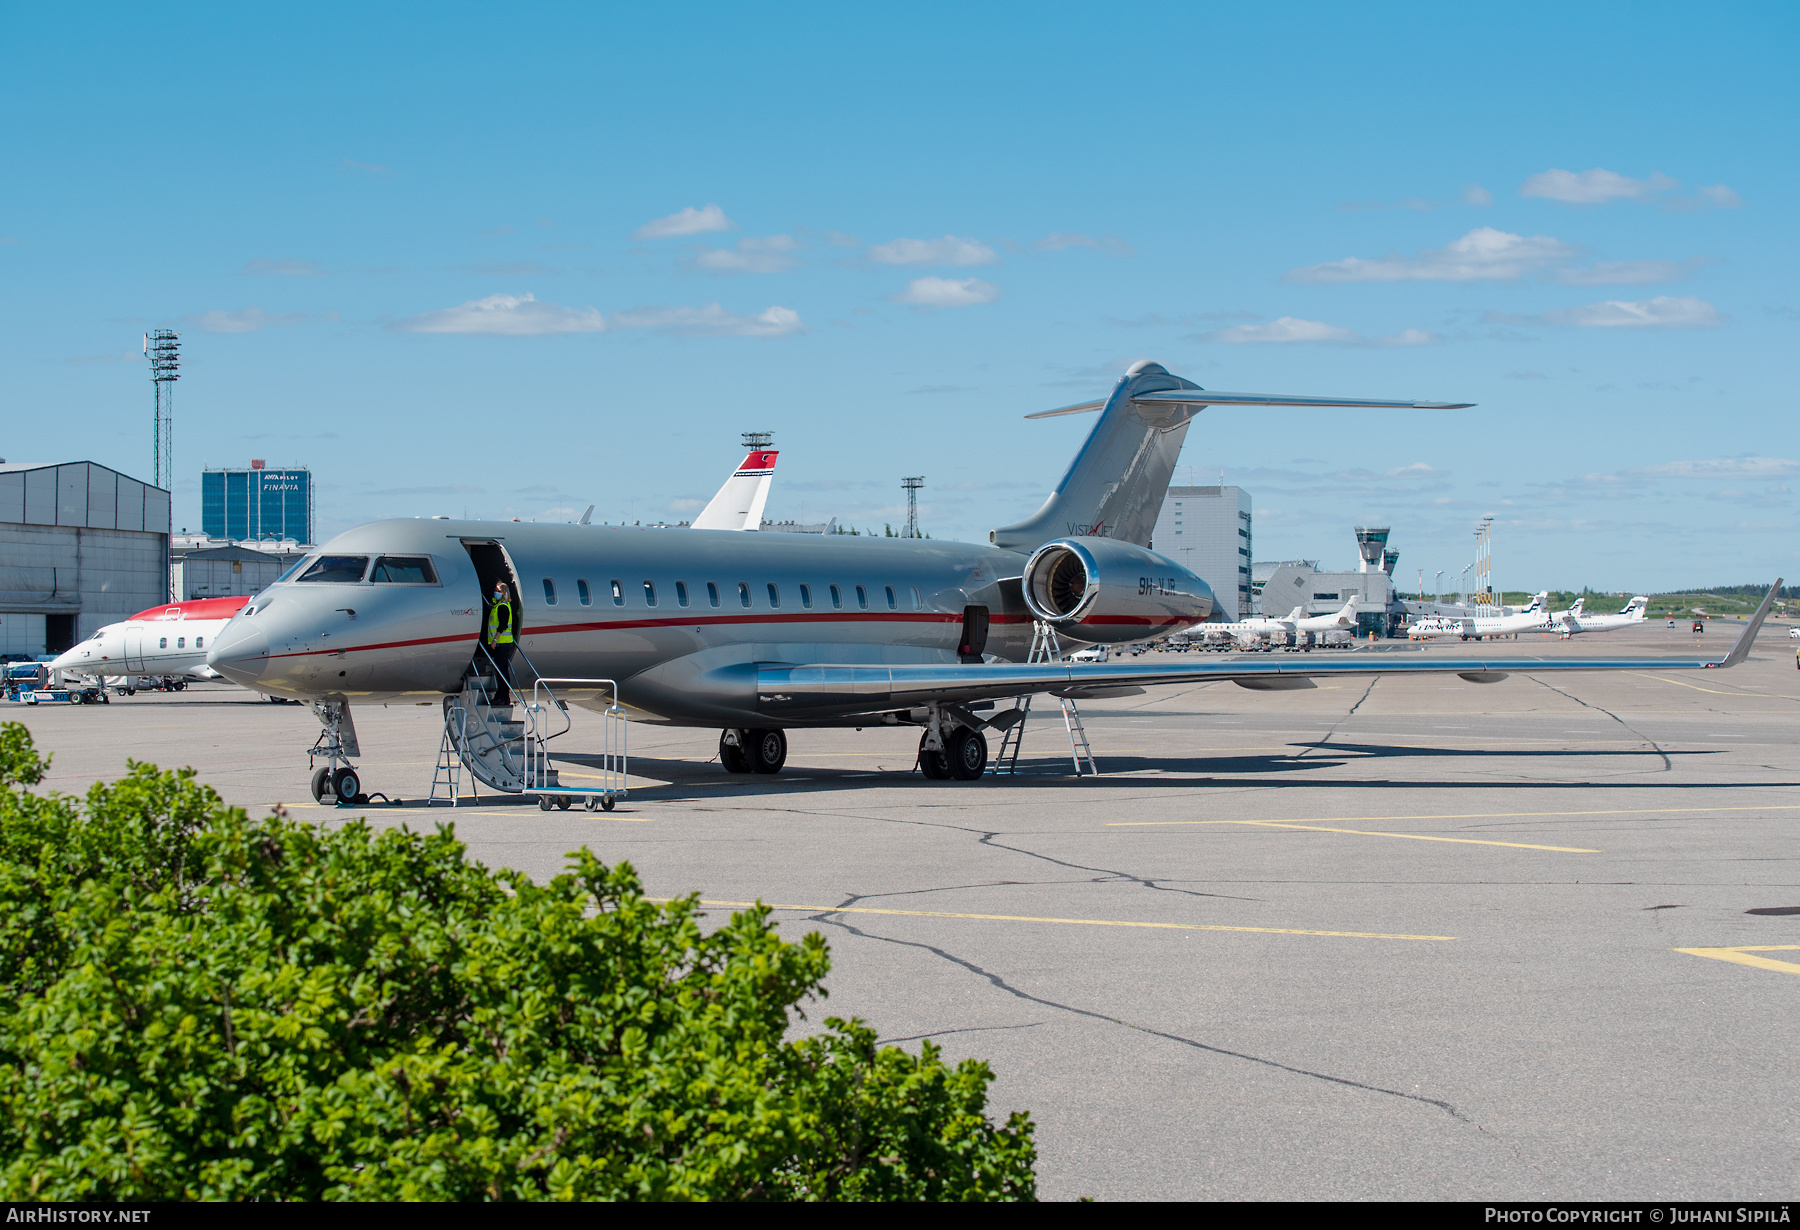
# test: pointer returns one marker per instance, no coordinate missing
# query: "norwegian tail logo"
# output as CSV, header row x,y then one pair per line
x,y
739,503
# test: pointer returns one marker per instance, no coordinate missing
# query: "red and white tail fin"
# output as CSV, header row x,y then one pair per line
x,y
739,504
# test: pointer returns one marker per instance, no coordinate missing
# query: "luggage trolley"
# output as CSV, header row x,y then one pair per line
x,y
541,714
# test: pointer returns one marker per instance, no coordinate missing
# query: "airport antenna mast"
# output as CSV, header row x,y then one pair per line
x,y
755,440
912,485
163,349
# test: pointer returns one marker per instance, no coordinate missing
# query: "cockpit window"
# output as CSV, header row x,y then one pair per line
x,y
343,569
289,574
403,570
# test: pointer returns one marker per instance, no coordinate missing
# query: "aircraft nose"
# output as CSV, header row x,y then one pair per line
x,y
241,652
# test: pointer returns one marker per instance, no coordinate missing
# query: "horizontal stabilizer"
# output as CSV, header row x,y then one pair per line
x,y
1199,398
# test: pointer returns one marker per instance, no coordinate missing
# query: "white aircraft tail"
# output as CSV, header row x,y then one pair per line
x,y
1638,608
739,503
1576,609
1115,486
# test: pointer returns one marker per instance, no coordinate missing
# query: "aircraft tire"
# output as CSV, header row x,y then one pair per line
x,y
346,784
767,749
732,755
967,754
320,786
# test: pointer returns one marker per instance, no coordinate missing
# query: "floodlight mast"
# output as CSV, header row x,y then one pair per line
x,y
163,349
758,440
911,486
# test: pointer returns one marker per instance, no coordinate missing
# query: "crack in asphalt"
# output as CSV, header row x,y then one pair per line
x,y
825,919
1668,765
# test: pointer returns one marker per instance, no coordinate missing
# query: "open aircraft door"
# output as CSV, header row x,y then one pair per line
x,y
134,650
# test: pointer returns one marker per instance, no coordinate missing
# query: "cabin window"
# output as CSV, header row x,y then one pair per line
x,y
649,593
618,592
199,642
837,599
774,595
181,642
403,570
918,602
549,592
744,592
712,593
862,597
681,593
806,596
583,592
342,569
892,604
162,642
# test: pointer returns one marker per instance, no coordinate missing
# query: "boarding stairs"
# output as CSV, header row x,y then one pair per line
x,y
505,745
1045,647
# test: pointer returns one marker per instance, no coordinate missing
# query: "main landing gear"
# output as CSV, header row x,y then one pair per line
x,y
753,751
962,756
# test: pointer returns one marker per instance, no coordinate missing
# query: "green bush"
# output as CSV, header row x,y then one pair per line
x,y
198,1005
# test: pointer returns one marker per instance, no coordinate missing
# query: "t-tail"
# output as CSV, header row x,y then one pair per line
x,y
739,503
1637,609
1115,486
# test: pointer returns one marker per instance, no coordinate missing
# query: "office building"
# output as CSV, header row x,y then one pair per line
x,y
257,504
1207,531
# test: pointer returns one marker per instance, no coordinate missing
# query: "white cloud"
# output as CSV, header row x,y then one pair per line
x,y
711,321
1484,254
1628,273
946,251
948,292
1662,312
1057,241
281,268
1724,467
507,316
1286,329
1417,469
1722,196
1291,329
248,320
689,221
1596,187
1475,194
772,254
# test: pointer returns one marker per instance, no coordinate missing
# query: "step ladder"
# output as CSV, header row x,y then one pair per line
x,y
1045,647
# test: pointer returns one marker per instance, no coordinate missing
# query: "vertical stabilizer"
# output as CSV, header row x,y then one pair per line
x,y
1115,486
739,503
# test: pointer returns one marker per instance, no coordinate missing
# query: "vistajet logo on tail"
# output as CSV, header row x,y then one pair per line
x,y
1096,530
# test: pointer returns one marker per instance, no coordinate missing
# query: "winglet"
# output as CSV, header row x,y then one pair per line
x,y
1741,650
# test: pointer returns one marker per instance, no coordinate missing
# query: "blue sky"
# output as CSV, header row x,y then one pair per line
x,y
516,261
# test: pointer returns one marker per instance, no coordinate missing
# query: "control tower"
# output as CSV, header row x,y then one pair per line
x,y
1371,542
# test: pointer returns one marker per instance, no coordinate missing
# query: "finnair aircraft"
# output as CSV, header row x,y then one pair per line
x,y
1574,620
173,639
783,632
1532,619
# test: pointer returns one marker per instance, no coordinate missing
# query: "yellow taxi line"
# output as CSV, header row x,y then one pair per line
x,y
1741,956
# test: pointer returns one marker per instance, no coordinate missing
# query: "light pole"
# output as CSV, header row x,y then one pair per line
x,y
1462,593
1437,587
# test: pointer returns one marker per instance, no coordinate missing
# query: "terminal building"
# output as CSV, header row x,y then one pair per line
x,y
81,546
1207,531
257,504
1281,585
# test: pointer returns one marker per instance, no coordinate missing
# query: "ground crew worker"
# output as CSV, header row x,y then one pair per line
x,y
500,628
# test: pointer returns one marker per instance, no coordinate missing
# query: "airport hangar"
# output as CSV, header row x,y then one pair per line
x,y
81,546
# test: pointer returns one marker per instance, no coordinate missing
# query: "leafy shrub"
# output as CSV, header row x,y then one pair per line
x,y
198,1005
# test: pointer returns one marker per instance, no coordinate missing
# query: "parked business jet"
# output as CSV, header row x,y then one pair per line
x,y
169,640
1533,618
785,631
1574,620
739,503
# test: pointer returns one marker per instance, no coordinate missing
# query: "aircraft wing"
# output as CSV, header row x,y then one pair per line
x,y
818,689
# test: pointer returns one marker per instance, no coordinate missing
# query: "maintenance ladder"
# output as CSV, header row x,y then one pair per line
x,y
1045,647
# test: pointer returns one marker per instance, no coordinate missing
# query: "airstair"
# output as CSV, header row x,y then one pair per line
x,y
505,746
1045,647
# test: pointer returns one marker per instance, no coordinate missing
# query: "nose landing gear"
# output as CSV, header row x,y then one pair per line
x,y
337,779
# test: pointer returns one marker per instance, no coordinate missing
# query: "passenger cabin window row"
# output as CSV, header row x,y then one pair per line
x,y
745,595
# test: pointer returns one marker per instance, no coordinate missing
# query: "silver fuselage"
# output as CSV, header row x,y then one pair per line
x,y
751,600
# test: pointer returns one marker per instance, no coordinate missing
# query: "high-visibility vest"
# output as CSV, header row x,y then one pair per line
x,y
500,623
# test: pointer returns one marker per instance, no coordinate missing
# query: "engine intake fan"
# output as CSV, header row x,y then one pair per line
x,y
1104,591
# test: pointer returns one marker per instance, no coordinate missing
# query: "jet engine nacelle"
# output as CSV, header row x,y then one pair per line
x,y
1105,591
